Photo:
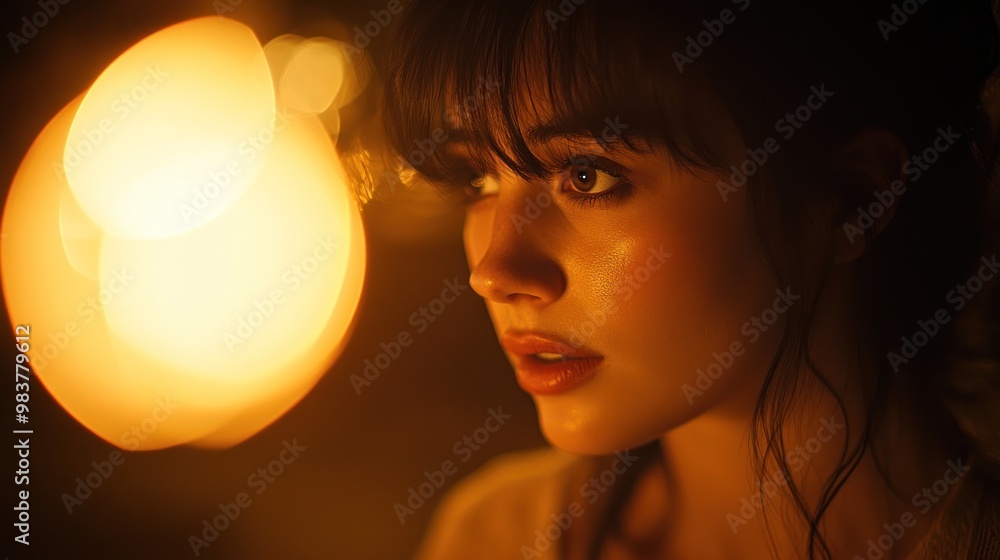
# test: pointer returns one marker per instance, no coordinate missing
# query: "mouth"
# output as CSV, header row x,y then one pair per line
x,y
548,365
550,357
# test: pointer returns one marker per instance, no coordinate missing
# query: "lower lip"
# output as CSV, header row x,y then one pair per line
x,y
539,377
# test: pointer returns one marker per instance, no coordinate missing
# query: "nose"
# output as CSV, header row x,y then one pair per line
x,y
513,258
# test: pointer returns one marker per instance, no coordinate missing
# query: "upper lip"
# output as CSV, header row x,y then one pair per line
x,y
526,343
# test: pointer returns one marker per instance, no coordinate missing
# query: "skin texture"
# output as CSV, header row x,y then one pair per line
x,y
656,280
563,267
553,271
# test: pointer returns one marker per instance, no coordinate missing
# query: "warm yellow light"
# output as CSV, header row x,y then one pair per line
x,y
313,76
147,153
200,335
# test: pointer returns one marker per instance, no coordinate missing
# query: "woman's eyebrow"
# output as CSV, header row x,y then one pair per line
x,y
556,131
456,147
459,151
539,134
573,132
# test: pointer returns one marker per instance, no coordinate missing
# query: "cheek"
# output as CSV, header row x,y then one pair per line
x,y
661,321
685,282
477,231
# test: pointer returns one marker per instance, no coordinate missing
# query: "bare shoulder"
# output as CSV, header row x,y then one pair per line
x,y
495,511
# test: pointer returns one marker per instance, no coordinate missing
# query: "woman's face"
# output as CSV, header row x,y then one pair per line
x,y
642,288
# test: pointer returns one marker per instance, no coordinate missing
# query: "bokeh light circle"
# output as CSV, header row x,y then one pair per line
x,y
194,334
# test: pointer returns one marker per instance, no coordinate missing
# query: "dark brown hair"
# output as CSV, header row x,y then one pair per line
x,y
643,63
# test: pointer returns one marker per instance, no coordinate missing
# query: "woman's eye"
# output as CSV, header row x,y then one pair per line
x,y
592,177
481,186
583,180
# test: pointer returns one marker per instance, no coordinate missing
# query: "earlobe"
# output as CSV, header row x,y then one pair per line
x,y
868,172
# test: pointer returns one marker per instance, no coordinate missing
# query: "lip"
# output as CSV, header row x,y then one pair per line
x,y
541,377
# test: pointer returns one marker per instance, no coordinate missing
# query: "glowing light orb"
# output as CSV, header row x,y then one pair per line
x,y
148,151
154,331
313,76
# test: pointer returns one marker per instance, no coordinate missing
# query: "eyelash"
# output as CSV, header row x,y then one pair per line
x,y
469,196
614,194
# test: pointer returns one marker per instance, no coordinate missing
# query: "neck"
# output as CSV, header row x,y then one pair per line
x,y
717,490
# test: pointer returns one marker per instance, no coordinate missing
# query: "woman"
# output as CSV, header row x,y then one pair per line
x,y
739,256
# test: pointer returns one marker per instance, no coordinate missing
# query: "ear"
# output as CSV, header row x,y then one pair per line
x,y
868,171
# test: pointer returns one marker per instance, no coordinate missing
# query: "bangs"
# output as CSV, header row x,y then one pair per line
x,y
500,78
496,78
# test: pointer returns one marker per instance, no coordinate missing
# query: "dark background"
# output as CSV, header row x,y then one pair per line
x,y
363,452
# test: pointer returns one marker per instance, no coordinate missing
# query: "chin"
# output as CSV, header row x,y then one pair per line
x,y
576,429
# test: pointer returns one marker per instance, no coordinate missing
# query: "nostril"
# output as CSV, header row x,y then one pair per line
x,y
513,278
507,266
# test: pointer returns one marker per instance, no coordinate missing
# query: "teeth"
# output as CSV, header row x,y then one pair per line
x,y
550,357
